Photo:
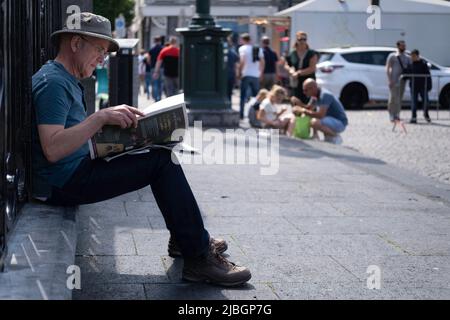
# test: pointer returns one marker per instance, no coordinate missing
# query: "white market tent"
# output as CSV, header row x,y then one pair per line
x,y
423,24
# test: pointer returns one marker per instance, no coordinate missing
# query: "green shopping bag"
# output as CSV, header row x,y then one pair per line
x,y
302,127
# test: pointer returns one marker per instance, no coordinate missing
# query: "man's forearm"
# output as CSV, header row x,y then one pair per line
x,y
65,142
158,66
313,114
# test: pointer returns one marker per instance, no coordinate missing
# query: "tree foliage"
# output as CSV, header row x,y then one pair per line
x,y
112,8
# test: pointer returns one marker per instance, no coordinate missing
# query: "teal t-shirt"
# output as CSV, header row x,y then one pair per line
x,y
58,99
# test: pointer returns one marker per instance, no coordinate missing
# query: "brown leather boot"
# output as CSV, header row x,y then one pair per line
x,y
174,251
215,269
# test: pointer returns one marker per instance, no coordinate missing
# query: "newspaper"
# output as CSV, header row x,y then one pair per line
x,y
154,130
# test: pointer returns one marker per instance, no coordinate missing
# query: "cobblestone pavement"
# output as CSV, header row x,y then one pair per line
x,y
425,148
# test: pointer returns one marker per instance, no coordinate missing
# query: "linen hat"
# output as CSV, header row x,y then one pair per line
x,y
89,25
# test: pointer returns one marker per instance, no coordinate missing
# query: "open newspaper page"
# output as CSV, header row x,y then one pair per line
x,y
155,128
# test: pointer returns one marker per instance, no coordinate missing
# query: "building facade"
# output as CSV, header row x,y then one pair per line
x,y
162,17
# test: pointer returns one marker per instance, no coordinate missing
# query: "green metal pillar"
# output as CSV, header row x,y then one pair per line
x,y
204,70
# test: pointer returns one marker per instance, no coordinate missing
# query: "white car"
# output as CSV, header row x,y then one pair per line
x,y
357,75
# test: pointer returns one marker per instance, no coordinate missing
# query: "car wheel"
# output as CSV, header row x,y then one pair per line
x,y
444,98
354,96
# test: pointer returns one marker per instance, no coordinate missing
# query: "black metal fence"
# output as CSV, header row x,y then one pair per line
x,y
25,26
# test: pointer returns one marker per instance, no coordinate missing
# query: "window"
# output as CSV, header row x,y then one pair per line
x,y
356,57
377,58
431,66
325,56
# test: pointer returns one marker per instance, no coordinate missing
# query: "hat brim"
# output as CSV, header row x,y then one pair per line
x,y
113,44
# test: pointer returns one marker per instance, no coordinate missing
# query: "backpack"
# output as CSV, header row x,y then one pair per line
x,y
255,53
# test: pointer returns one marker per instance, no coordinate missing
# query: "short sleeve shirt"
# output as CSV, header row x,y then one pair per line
x,y
271,59
251,68
397,70
170,57
58,99
154,53
334,106
269,108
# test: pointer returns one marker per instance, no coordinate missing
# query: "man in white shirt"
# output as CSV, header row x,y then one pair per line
x,y
250,69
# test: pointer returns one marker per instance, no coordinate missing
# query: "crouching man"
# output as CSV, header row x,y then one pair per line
x,y
64,174
328,114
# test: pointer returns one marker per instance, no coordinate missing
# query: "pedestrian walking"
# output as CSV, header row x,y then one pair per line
x,y
420,85
269,76
156,80
283,74
396,64
170,56
141,70
251,67
232,66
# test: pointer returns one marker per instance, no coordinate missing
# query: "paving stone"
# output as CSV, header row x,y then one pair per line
x,y
193,291
111,292
121,269
302,268
411,271
315,245
142,209
422,244
109,242
249,225
370,225
120,224
341,291
150,243
104,208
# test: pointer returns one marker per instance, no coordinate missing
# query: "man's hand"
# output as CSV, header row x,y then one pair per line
x,y
123,116
298,111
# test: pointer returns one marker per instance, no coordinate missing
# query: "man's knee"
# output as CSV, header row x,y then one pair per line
x,y
164,155
315,123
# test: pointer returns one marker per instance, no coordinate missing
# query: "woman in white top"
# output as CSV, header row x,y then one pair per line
x,y
270,117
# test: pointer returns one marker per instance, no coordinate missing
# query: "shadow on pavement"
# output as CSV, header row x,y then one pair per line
x,y
299,149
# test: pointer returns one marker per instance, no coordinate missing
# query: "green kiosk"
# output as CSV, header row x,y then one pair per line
x,y
204,70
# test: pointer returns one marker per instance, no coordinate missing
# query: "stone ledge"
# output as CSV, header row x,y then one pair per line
x,y
40,249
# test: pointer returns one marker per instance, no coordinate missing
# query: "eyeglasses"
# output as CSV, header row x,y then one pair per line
x,y
302,39
100,50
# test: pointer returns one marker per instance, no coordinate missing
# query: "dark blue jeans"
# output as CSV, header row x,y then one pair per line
x,y
248,83
156,86
98,180
415,101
